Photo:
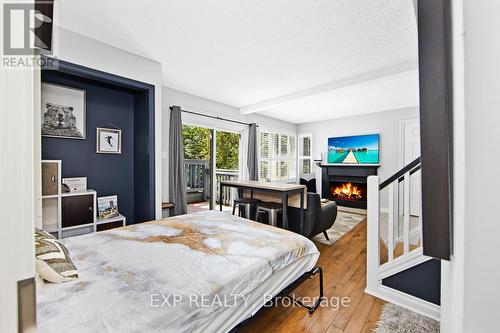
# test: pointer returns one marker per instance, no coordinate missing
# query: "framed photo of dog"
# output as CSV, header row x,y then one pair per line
x,y
63,112
109,141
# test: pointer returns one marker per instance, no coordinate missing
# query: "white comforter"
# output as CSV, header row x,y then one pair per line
x,y
171,275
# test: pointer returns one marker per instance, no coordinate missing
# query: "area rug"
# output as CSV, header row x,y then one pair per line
x,y
345,221
395,319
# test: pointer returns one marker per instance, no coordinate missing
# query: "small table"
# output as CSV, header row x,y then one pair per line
x,y
280,189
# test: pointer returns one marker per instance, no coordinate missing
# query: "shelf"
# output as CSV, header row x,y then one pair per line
x,y
51,196
359,165
70,194
78,226
111,219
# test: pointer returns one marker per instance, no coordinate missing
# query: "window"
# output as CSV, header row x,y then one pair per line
x,y
305,154
277,156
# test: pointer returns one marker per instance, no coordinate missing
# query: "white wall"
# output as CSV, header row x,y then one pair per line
x,y
452,272
84,51
387,124
209,107
19,143
470,281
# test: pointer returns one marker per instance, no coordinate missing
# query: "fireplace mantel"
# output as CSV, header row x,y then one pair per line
x,y
344,165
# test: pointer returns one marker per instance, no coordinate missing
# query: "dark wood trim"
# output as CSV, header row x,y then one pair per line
x,y
435,69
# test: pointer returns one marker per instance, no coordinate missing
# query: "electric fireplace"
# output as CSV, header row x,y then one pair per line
x,y
347,185
348,191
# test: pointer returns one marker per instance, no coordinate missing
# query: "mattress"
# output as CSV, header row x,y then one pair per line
x,y
202,272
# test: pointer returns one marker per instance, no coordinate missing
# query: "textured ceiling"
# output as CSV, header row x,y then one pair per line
x,y
243,52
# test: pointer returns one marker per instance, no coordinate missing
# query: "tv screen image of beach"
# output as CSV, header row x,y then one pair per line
x,y
359,149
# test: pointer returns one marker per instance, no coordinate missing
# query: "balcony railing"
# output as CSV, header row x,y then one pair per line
x,y
198,180
228,194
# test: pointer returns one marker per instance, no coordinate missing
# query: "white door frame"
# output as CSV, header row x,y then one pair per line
x,y
402,136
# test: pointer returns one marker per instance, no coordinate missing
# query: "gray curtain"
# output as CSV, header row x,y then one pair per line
x,y
252,161
176,175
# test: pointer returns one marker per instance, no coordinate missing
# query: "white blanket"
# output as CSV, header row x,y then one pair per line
x,y
173,275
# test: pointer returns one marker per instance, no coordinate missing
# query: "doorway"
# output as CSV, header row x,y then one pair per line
x,y
410,150
211,155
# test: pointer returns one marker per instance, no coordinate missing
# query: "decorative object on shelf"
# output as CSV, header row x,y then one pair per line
x,y
318,159
76,184
107,206
65,188
109,141
51,175
63,111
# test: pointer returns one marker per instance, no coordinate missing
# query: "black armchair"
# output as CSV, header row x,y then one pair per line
x,y
317,217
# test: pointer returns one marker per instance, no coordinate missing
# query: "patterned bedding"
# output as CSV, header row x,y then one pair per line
x,y
170,275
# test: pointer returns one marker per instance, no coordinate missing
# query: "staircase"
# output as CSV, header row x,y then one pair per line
x,y
394,240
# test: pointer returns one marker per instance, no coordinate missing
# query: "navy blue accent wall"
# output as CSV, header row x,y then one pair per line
x,y
108,174
422,281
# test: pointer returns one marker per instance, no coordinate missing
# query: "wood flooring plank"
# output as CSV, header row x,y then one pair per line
x,y
373,317
344,268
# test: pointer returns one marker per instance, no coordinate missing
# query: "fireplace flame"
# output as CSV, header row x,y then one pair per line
x,y
347,190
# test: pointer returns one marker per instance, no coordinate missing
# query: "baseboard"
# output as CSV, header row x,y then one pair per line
x,y
406,301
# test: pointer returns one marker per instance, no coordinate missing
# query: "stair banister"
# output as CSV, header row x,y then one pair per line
x,y
373,244
376,270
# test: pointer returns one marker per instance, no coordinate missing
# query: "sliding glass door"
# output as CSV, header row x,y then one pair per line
x,y
198,161
211,155
227,156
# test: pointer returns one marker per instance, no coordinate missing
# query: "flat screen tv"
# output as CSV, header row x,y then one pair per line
x,y
358,149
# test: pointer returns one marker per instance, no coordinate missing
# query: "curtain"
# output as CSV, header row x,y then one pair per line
x,y
252,157
243,165
176,175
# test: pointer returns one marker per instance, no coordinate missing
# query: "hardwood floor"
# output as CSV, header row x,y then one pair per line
x,y
344,266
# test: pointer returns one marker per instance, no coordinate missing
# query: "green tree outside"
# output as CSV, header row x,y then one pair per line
x,y
197,146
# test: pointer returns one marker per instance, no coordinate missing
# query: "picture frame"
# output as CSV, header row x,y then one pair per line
x,y
63,111
108,141
107,207
75,184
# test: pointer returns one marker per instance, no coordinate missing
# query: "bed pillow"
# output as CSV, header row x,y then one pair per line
x,y
52,259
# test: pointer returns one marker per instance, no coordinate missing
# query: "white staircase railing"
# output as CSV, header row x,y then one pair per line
x,y
394,239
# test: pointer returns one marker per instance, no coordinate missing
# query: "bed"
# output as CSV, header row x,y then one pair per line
x,y
202,272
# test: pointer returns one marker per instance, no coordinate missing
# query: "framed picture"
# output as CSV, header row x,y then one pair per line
x,y
75,184
107,207
63,111
109,141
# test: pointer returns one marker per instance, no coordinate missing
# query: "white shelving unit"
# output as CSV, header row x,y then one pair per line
x,y
52,209
112,222
52,215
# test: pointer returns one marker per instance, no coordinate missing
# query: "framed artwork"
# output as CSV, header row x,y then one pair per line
x,y
107,206
109,141
75,184
63,112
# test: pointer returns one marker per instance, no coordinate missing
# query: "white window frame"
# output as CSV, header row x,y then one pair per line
x,y
301,156
291,158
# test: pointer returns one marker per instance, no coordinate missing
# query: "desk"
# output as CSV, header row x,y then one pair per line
x,y
283,191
